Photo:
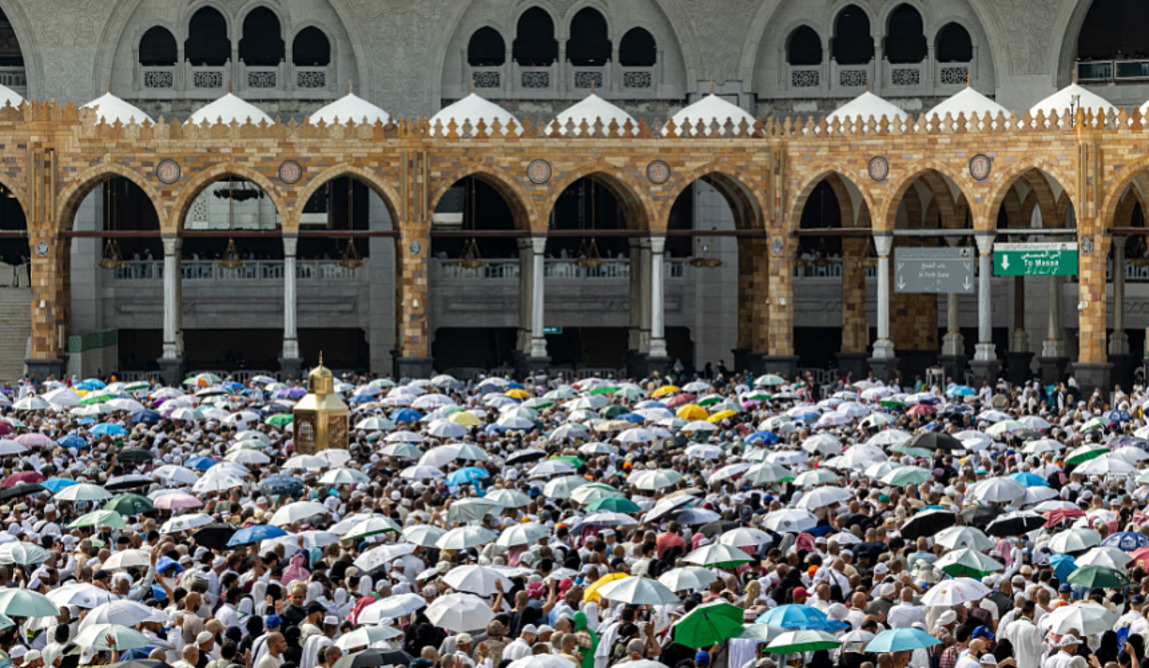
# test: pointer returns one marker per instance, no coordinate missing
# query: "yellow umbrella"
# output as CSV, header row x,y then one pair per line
x,y
720,416
465,419
664,390
591,593
614,425
692,412
518,394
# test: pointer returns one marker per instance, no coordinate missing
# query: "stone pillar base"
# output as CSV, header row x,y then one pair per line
x,y
785,366
1017,367
913,363
741,359
954,366
852,364
635,364
1124,367
291,367
985,371
172,370
1093,376
885,369
413,367
1052,369
525,366
42,369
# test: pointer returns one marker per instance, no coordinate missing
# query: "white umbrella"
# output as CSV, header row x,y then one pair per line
x,y
479,580
460,612
820,497
508,498
446,429
1074,540
82,492
744,537
953,592
423,534
127,559
687,578
305,463
956,538
822,443
420,473
638,591
970,558
298,511
185,522
25,554
121,611
561,488
716,553
551,467
381,555
1110,557
999,490
97,635
660,479
789,520
344,477
1087,618
392,607
556,661
370,526
1107,465
170,474
365,636
521,534
80,594
464,537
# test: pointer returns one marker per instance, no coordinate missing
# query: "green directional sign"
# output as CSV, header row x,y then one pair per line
x,y
1036,259
550,331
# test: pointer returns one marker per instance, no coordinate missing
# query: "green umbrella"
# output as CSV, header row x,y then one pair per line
x,y
892,403
613,411
26,603
906,475
710,400
1098,576
99,518
796,642
1085,453
769,380
577,462
968,563
136,387
130,504
538,403
708,624
279,419
96,399
618,504
757,395
603,390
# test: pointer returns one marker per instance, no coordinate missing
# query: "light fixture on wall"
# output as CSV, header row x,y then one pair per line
x,y
231,258
112,257
471,257
351,258
588,254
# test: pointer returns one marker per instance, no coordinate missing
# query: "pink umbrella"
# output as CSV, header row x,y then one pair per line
x,y
23,477
6,428
34,440
177,500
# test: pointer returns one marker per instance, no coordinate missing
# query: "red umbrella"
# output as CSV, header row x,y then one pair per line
x,y
1140,557
6,428
1055,517
23,477
680,400
922,410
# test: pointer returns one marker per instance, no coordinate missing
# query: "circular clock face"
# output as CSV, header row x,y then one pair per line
x,y
879,168
539,172
415,248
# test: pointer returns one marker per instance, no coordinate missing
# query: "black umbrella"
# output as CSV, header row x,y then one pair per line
x,y
214,536
524,456
932,440
23,489
375,657
1015,524
135,455
1028,435
927,524
120,483
980,516
720,526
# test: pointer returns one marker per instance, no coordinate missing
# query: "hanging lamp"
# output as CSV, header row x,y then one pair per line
x,y
703,260
471,257
231,258
112,257
589,255
351,258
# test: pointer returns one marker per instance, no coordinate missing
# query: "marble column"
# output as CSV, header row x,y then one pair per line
x,y
1124,364
985,363
884,363
171,364
1054,355
953,357
538,351
634,331
657,325
290,363
526,286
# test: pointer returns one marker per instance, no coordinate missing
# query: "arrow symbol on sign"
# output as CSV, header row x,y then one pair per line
x,y
967,285
901,283
900,265
1005,262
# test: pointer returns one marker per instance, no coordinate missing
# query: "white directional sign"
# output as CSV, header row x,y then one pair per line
x,y
934,270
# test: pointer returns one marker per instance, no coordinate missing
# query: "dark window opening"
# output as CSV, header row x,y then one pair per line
x,y
158,48
473,204
311,48
10,54
535,44
905,36
822,211
589,45
1114,30
588,205
804,47
207,43
262,42
637,49
853,44
954,44
486,48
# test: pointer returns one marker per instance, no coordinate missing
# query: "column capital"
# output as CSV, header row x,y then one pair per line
x,y
525,243
172,244
883,243
658,243
290,243
539,244
1119,242
984,241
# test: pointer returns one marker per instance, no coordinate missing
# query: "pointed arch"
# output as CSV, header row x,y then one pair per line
x,y
517,199
188,194
740,193
73,194
367,177
802,195
900,186
638,208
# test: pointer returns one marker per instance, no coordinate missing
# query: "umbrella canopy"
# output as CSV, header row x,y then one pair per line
x,y
460,612
901,640
638,591
795,642
706,625
26,603
1099,577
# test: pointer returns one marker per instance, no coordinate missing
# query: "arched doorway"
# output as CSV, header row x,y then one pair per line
x,y
15,283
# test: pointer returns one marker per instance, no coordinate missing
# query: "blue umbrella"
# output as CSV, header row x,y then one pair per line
x,y
488,388
73,441
200,463
54,485
232,386
795,616
631,417
1063,565
108,429
466,475
514,386
146,415
255,534
90,384
765,437
1118,416
901,640
86,420
361,399
961,391
283,485
1126,541
1030,480
405,415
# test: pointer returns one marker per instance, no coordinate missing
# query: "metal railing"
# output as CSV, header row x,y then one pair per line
x,y
557,269
250,270
1113,70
